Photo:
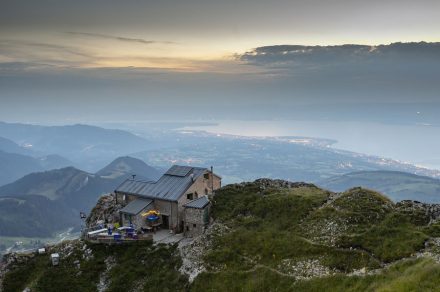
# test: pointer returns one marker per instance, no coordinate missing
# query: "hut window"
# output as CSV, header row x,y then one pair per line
x,y
189,196
206,175
194,225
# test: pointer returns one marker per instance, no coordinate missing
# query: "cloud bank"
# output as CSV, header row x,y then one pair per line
x,y
291,55
278,82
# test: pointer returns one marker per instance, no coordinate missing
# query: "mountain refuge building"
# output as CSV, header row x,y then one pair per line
x,y
180,196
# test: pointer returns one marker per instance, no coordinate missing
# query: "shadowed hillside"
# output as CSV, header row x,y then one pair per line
x,y
17,161
88,146
67,189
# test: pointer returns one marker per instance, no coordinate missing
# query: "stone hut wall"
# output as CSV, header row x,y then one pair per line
x,y
195,221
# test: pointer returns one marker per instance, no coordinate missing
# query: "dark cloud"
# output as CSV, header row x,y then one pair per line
x,y
118,38
319,56
359,70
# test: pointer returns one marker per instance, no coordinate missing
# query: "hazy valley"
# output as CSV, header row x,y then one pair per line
x,y
41,204
210,145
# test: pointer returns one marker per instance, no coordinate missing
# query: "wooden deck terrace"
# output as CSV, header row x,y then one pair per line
x,y
124,240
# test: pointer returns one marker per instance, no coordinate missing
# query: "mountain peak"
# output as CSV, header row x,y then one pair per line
x,y
126,165
48,183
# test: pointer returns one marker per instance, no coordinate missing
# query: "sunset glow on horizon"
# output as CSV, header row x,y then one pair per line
x,y
184,36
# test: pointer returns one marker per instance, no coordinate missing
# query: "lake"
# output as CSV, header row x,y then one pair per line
x,y
416,144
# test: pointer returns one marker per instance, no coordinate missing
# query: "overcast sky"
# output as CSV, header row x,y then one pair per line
x,y
60,55
154,33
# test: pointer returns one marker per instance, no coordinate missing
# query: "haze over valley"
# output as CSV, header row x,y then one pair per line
x,y
202,145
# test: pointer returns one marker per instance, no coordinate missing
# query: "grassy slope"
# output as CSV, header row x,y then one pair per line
x,y
410,275
360,229
369,221
271,233
142,265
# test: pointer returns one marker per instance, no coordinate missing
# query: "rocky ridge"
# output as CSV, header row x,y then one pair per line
x,y
106,209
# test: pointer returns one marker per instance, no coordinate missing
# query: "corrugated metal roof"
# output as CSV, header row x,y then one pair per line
x,y
136,206
169,187
178,170
199,203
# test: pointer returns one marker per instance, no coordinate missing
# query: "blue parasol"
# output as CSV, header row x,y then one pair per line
x,y
152,217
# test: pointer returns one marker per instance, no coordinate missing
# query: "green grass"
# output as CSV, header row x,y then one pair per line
x,y
409,275
19,278
272,247
271,226
394,238
259,280
152,268
369,221
416,216
280,208
266,229
157,267
363,207
432,230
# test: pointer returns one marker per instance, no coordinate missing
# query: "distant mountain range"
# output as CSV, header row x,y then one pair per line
x,y
26,149
14,166
88,147
16,161
57,196
237,158
10,146
397,185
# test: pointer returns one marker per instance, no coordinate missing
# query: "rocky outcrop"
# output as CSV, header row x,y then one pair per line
x,y
104,278
305,269
193,250
106,209
431,211
266,183
9,261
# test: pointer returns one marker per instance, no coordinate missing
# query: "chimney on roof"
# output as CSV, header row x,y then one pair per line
x,y
133,176
212,179
192,176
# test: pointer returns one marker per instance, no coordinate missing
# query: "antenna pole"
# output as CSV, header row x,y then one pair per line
x,y
212,180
